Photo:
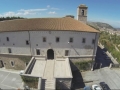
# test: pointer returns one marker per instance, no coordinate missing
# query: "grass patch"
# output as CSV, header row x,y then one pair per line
x,y
84,65
25,58
32,82
109,41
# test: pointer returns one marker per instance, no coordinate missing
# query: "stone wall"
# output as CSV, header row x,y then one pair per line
x,y
80,59
19,61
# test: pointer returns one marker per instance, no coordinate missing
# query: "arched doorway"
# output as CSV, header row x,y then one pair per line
x,y
50,54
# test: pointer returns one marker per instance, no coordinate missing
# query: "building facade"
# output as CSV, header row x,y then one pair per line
x,y
44,46
38,43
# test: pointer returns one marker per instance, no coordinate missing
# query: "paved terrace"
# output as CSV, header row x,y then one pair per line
x,y
52,68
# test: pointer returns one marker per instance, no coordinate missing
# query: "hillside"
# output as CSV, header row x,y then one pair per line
x,y
101,26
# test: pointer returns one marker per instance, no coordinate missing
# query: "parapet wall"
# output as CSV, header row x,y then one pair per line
x,y
18,61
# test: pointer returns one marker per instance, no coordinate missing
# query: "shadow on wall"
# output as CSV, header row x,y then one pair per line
x,y
77,81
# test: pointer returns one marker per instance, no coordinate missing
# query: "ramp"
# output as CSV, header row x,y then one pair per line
x,y
49,70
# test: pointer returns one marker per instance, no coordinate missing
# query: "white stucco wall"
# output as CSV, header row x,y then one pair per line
x,y
59,48
19,41
77,48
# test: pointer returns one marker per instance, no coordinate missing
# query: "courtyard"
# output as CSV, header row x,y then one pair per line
x,y
10,80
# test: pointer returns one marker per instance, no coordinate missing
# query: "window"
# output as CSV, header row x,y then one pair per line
x,y
57,39
82,12
7,38
12,63
26,63
44,39
93,41
83,40
27,42
9,50
71,40
37,51
66,52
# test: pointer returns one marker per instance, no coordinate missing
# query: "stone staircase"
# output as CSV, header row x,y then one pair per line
x,y
48,84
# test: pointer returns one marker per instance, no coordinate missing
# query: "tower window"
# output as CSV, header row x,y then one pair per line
x,y
71,40
9,50
27,42
66,52
26,63
7,38
82,12
57,39
83,40
44,39
37,51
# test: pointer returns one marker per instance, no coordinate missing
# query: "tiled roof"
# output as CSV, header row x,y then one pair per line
x,y
42,24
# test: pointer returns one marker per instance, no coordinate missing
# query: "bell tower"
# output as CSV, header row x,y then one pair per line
x,y
82,13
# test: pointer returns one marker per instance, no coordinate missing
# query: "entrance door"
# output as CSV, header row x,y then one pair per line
x,y
50,54
1,63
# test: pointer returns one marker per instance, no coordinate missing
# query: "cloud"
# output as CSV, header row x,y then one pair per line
x,y
23,12
52,12
30,12
55,8
48,6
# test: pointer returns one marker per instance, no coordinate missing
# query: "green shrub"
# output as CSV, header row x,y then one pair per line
x,y
84,65
25,58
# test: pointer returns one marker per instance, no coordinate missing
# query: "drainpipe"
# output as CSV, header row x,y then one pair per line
x,y
30,42
93,52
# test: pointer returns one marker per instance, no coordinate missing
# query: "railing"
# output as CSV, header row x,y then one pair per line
x,y
28,64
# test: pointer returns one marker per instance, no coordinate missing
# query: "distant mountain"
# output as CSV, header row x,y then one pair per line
x,y
118,29
100,26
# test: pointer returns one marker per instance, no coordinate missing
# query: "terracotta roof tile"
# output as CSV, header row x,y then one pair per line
x,y
40,24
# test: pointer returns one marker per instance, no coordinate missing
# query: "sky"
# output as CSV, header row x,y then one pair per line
x,y
107,11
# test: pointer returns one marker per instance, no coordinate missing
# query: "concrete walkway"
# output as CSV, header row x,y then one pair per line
x,y
49,70
38,69
10,79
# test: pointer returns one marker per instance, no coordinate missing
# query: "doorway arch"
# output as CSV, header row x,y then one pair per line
x,y
50,54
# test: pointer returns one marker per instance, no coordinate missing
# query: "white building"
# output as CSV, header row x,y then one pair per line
x,y
50,42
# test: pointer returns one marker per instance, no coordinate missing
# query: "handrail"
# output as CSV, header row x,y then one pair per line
x,y
28,64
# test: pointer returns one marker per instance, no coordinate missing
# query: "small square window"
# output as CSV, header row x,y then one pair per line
x,y
71,40
83,40
12,63
37,51
7,38
66,52
57,39
93,41
26,63
9,50
27,42
44,39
